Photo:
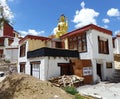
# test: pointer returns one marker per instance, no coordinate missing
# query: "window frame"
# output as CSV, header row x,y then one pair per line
x,y
78,42
23,50
22,67
109,65
103,46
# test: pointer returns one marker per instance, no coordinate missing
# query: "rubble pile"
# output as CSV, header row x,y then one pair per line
x,y
67,80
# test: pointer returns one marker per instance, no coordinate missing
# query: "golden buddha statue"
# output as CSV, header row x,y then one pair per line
x,y
62,26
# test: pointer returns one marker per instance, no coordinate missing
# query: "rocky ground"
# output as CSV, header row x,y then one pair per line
x,y
21,86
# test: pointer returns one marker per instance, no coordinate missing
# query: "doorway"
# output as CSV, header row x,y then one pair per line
x,y
66,69
99,73
22,67
35,69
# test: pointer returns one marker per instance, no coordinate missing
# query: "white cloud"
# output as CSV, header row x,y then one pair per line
x,y
113,12
7,13
117,32
54,30
82,4
31,32
105,26
105,20
85,16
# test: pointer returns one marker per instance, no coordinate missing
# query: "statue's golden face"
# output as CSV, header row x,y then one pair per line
x,y
62,18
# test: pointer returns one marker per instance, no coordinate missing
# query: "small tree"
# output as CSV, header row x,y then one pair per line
x,y
2,18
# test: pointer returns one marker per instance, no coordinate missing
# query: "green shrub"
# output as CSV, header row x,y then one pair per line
x,y
78,96
71,90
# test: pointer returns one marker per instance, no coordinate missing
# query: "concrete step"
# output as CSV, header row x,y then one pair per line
x,y
116,76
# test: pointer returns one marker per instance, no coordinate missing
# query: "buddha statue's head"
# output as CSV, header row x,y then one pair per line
x,y
62,18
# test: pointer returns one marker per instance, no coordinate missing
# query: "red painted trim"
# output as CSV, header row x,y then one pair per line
x,y
34,37
7,37
85,28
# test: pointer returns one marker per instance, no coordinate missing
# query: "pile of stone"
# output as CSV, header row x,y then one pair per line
x,y
67,80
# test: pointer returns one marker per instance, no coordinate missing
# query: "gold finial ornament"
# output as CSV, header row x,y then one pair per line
x,y
62,26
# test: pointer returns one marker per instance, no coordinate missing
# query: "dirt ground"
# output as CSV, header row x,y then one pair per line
x,y
102,90
21,86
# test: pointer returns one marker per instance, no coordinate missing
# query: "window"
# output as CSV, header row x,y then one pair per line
x,y
22,67
113,41
58,45
71,45
10,41
108,65
22,50
82,43
78,42
1,41
103,46
1,53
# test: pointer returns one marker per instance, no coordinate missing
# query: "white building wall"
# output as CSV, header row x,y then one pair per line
x,y
1,29
117,65
53,68
117,51
117,45
93,54
44,68
6,42
48,66
23,59
12,54
27,67
92,46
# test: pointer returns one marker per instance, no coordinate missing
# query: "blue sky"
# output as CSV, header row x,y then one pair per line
x,y
40,17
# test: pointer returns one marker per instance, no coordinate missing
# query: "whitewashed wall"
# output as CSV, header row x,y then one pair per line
x,y
23,59
53,68
92,46
48,66
92,53
117,51
117,45
1,30
117,65
11,54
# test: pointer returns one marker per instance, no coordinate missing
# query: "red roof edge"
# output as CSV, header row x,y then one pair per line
x,y
34,37
85,28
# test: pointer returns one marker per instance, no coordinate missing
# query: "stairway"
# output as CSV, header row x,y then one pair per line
x,y
116,76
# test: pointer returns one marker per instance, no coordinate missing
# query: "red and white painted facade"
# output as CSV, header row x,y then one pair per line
x,y
8,42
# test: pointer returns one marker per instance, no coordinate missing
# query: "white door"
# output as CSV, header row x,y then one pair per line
x,y
36,70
